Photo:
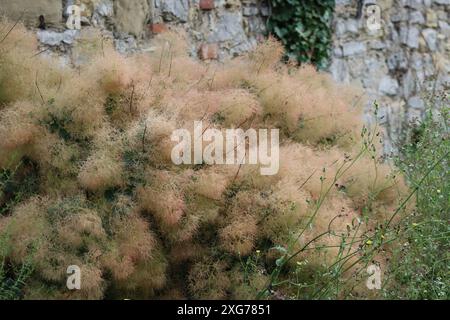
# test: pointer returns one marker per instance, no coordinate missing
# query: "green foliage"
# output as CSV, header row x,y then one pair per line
x,y
421,268
16,184
12,278
304,27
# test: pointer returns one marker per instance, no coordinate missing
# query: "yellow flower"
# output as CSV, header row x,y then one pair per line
x,y
369,242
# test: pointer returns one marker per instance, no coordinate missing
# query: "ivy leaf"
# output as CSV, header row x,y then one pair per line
x,y
303,26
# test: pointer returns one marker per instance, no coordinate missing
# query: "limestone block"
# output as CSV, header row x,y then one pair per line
x,y
131,16
30,10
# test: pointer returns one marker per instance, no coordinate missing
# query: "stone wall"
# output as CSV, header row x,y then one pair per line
x,y
409,54
216,28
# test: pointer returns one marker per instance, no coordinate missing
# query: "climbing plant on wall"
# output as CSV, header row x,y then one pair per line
x,y
304,27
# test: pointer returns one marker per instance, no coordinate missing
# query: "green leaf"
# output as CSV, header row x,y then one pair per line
x,y
304,28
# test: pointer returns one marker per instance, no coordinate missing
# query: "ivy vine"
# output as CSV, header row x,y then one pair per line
x,y
304,27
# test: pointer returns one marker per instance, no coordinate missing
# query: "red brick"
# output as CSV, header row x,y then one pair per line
x,y
158,28
207,4
209,51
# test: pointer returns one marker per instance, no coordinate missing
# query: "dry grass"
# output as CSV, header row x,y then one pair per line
x,y
110,200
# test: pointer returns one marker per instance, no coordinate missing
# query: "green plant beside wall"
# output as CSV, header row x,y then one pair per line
x,y
304,27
